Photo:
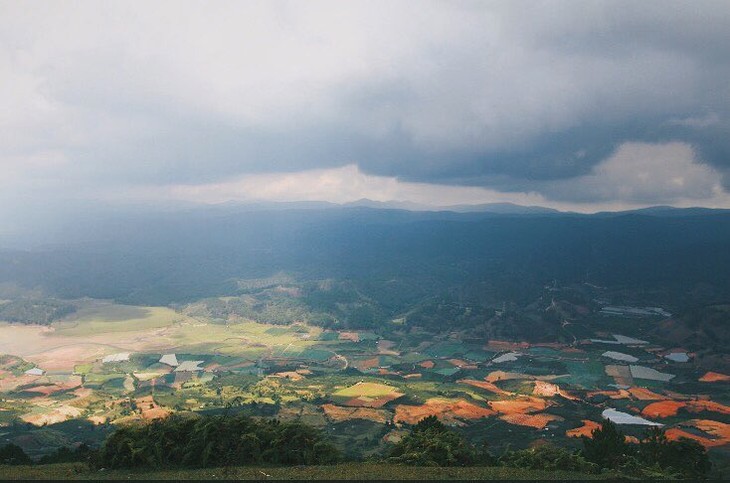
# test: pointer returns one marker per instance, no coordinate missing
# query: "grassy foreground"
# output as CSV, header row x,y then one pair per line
x,y
347,471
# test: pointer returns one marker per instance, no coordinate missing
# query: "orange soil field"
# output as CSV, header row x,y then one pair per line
x,y
585,430
495,376
537,421
519,406
485,385
665,409
714,377
150,409
503,345
351,336
339,413
427,364
618,394
720,432
448,411
643,394
367,363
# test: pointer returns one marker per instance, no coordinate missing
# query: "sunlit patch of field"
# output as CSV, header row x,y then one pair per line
x,y
101,328
369,389
450,411
665,409
718,434
47,411
95,317
339,414
367,394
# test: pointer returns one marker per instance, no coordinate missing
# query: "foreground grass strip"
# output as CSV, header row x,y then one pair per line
x,y
346,471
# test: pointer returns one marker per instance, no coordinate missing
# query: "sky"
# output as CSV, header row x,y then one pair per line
x,y
576,105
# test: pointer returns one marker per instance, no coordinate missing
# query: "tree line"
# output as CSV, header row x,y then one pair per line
x,y
190,441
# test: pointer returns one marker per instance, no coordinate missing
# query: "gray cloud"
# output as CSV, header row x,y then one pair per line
x,y
513,96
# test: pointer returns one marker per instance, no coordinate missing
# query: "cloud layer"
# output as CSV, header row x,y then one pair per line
x,y
568,103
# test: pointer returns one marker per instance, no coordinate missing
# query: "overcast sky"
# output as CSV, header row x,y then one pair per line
x,y
576,105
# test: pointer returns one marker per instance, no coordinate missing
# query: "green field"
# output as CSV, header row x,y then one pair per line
x,y
347,471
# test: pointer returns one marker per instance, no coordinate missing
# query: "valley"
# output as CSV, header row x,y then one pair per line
x,y
108,364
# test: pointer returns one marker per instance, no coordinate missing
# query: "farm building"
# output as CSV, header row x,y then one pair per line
x,y
36,371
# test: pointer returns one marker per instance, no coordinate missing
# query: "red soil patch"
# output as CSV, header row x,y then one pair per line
x,y
485,385
150,409
427,364
339,413
703,405
673,434
714,377
643,394
537,421
619,394
448,411
519,406
585,430
714,428
663,409
368,363
495,376
352,336
505,346
386,372
718,433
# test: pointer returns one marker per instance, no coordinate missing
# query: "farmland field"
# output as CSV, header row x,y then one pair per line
x,y
359,382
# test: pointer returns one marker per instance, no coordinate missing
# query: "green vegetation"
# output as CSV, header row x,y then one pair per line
x,y
430,443
548,457
655,456
12,454
211,441
35,311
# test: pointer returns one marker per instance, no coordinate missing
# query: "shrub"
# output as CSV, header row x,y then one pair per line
x,y
430,443
548,457
12,454
607,447
208,441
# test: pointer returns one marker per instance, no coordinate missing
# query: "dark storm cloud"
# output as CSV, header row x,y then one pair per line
x,y
514,96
